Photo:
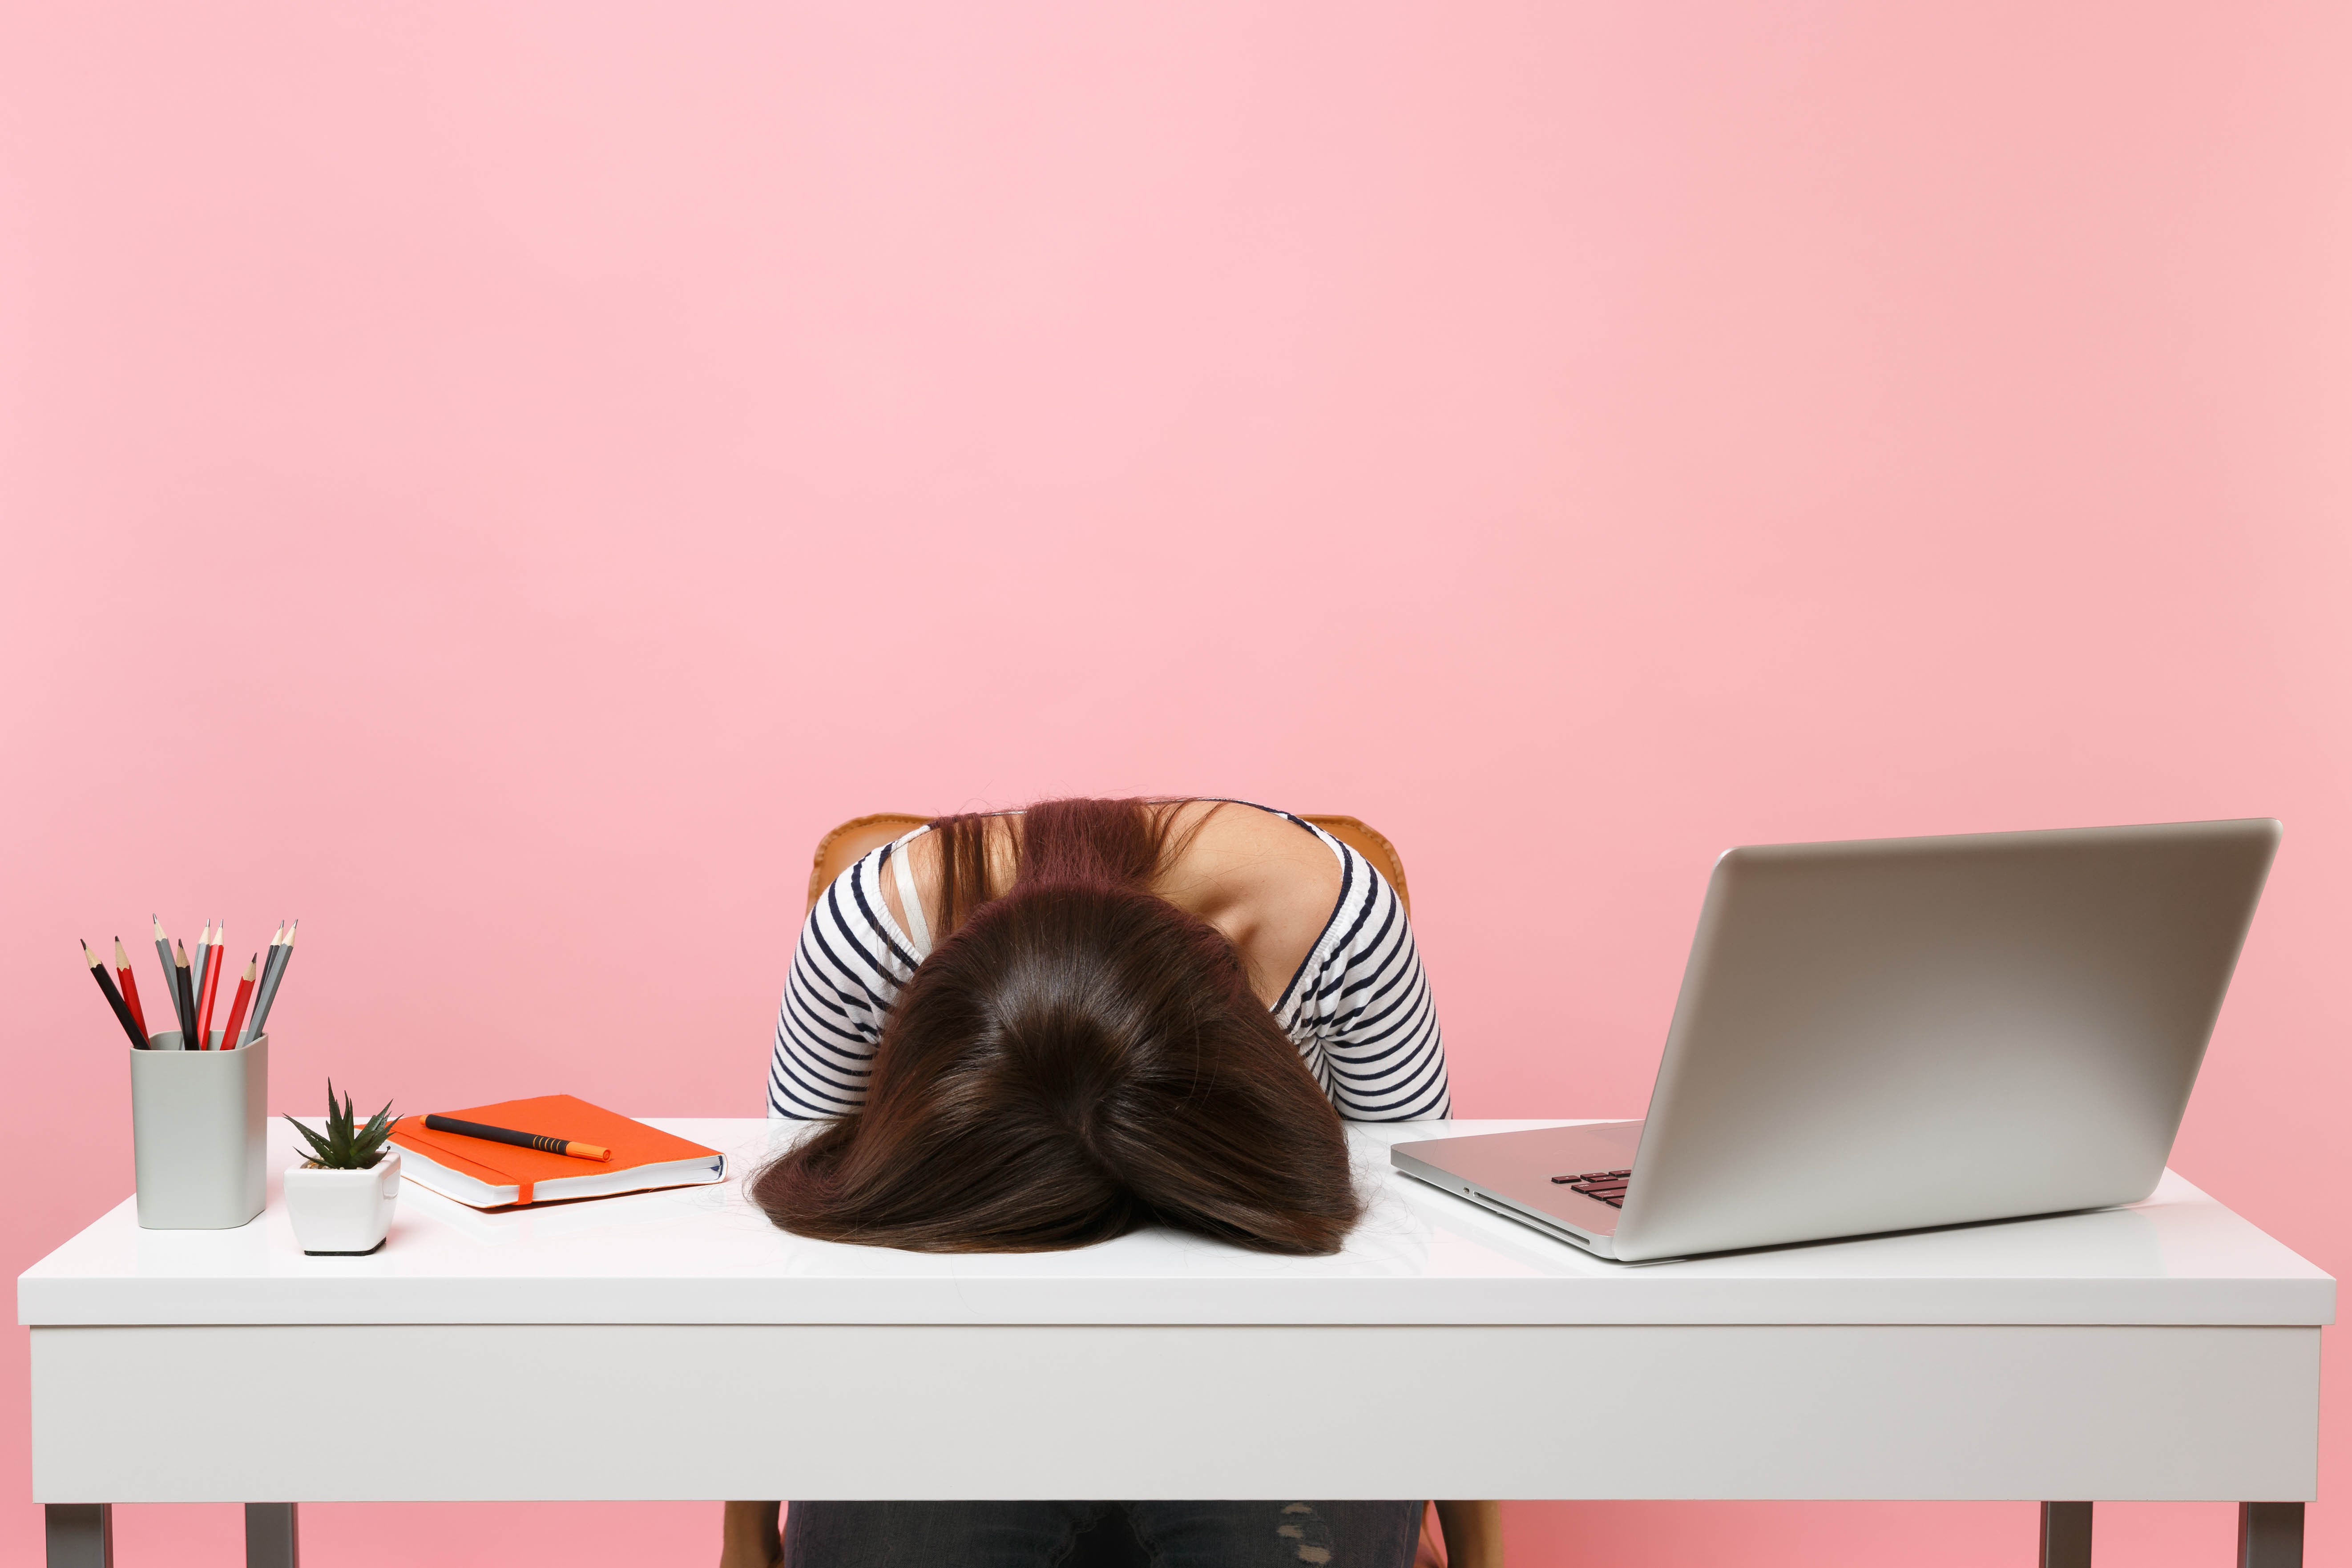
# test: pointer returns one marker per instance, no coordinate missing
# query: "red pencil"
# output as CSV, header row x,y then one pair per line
x,y
237,1008
130,988
204,1004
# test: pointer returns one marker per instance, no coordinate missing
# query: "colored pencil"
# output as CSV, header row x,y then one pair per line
x,y
272,979
229,1038
203,968
130,989
269,968
204,995
113,997
539,1141
268,986
171,987
184,985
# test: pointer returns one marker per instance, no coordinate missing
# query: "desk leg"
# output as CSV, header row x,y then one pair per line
x,y
272,1536
2066,1535
2270,1535
81,1534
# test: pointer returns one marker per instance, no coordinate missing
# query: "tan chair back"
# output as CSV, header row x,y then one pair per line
x,y
841,848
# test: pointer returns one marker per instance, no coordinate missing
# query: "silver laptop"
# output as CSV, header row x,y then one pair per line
x,y
1896,1033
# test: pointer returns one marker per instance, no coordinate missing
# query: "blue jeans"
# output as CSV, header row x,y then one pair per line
x,y
1046,1534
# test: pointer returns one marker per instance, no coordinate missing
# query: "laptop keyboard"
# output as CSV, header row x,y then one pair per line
x,y
1608,1186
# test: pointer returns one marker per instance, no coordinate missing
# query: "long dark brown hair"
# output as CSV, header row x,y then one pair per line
x,y
1078,1057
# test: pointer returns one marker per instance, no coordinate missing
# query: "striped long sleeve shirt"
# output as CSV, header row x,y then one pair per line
x,y
1359,1008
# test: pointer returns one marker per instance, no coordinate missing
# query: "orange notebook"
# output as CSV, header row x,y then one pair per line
x,y
486,1175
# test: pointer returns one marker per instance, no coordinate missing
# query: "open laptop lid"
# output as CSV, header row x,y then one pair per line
x,y
1886,1034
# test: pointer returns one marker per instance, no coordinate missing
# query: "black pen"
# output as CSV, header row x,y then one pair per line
x,y
539,1141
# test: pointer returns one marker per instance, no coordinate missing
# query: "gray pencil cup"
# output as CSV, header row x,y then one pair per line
x,y
197,1119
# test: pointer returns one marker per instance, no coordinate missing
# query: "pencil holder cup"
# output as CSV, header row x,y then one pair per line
x,y
197,1121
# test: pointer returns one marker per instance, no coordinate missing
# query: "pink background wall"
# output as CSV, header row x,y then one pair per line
x,y
497,481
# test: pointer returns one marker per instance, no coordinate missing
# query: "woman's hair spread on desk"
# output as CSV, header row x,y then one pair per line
x,y
1076,1058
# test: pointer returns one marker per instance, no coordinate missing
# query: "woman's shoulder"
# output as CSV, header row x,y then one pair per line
x,y
861,907
1251,848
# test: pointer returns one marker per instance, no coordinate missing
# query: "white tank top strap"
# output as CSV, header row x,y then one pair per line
x,y
918,928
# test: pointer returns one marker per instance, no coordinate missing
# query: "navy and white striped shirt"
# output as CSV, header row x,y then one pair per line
x,y
1359,1008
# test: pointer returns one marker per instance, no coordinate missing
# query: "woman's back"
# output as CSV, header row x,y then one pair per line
x,y
1323,938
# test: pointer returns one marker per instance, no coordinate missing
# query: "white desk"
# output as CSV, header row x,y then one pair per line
x,y
2165,1351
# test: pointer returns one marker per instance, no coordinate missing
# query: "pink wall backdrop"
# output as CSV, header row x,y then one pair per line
x,y
495,480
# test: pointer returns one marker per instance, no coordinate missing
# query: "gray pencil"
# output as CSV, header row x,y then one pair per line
x,y
269,983
269,968
205,948
170,987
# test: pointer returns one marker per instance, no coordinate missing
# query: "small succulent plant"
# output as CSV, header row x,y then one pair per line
x,y
342,1148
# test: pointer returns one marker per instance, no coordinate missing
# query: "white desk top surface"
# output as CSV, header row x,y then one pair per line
x,y
703,1254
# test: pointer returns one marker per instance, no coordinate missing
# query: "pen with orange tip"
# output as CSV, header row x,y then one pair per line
x,y
539,1141
130,989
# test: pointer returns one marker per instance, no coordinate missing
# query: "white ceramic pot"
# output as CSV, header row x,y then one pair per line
x,y
338,1213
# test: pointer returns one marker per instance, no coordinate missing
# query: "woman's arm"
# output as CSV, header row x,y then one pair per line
x,y
1369,1012
748,1538
846,972
1474,1533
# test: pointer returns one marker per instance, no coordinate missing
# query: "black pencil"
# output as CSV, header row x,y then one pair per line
x,y
182,987
113,997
